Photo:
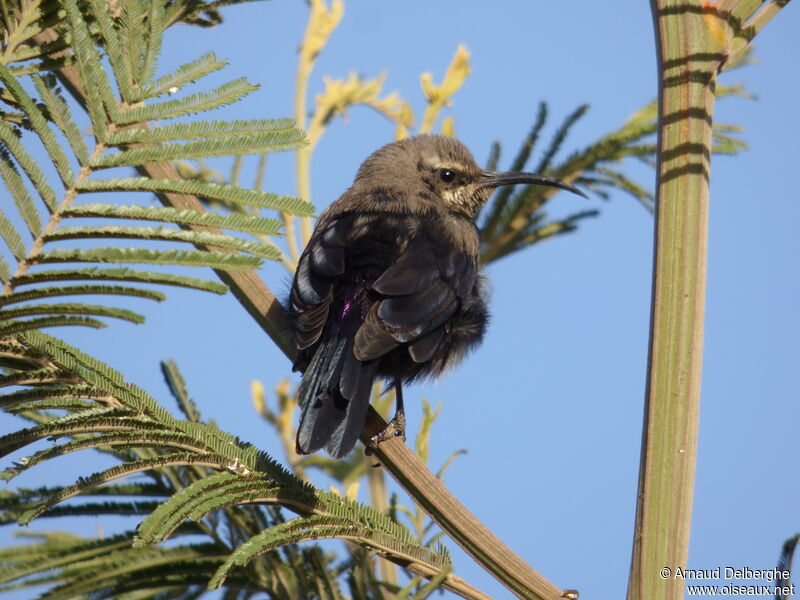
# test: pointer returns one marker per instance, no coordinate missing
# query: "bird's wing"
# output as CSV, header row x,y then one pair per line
x,y
312,288
418,293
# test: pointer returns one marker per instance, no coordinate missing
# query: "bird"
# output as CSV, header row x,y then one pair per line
x,y
389,285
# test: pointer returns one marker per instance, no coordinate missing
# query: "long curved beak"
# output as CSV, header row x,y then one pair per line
x,y
496,179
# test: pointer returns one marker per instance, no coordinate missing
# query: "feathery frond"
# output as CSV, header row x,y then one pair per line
x,y
119,274
514,218
120,101
199,472
188,73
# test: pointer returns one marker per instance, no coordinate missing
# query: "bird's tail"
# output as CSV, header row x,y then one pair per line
x,y
333,397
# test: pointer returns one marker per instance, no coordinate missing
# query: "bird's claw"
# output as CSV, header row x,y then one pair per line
x,y
395,428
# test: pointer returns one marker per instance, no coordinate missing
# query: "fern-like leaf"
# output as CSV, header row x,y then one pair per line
x,y
74,290
228,146
12,239
28,164
203,238
204,130
213,493
187,73
39,124
225,94
128,468
323,527
186,258
223,477
120,274
113,49
236,222
118,109
59,112
71,309
213,191
57,393
13,327
177,386
93,81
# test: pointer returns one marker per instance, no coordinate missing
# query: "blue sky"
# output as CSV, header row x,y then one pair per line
x,y
550,407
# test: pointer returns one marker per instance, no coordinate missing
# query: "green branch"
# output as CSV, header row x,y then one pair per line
x,y
693,39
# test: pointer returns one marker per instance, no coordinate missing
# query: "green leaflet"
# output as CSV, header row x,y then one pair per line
x,y
177,387
558,138
187,73
322,527
45,393
242,457
121,274
155,21
60,114
44,65
13,327
213,191
89,70
113,50
620,181
501,197
132,438
141,489
73,290
98,374
128,468
133,38
71,404
236,222
228,146
225,94
11,238
210,494
227,489
19,192
727,144
98,509
202,238
566,225
40,125
141,577
109,565
95,420
203,129
19,26
32,377
186,258
15,148
71,309
54,553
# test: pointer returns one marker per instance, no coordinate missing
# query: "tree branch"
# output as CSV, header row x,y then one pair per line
x,y
694,39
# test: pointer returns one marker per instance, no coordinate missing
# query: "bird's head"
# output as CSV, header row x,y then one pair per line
x,y
442,169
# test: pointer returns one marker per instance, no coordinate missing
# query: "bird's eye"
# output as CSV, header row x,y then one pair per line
x,y
447,175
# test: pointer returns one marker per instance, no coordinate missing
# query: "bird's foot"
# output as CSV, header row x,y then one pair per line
x,y
395,428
